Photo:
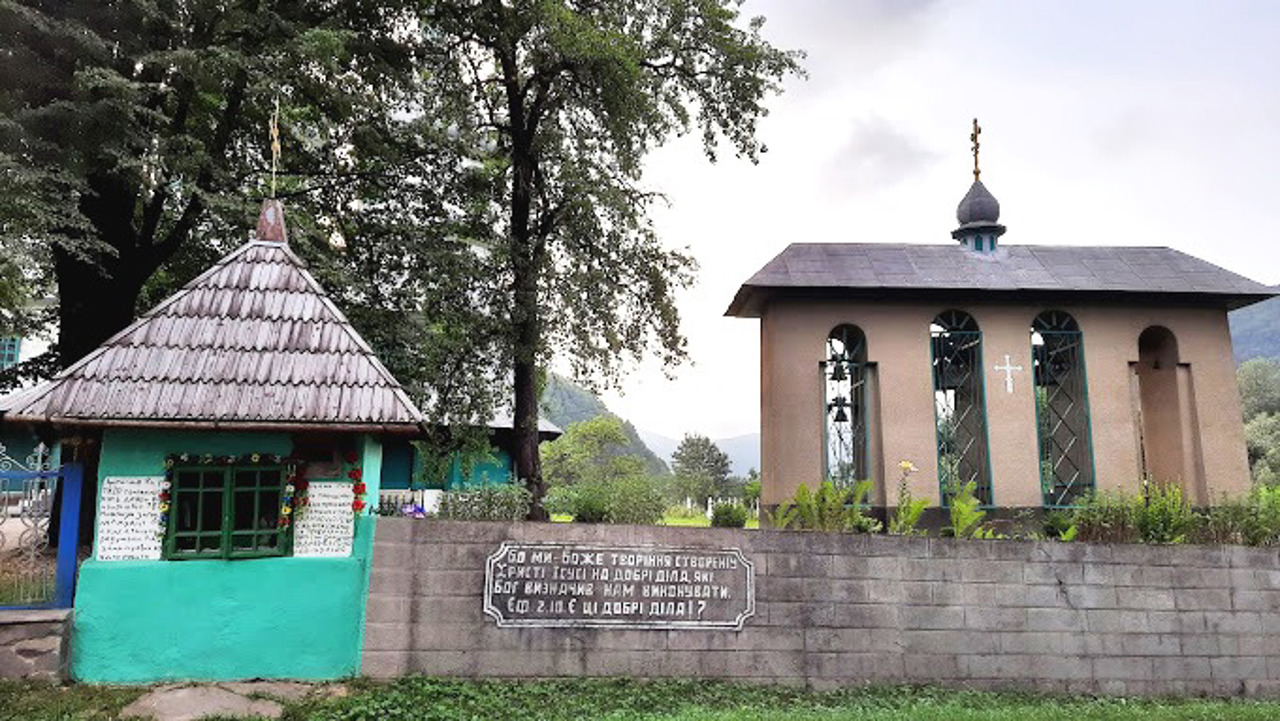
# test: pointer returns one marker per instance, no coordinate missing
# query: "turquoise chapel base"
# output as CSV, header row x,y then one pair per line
x,y
277,618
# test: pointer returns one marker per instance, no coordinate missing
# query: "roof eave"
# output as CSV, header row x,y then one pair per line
x,y
750,300
405,427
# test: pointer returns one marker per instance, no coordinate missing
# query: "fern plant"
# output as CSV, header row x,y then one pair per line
x,y
966,514
831,508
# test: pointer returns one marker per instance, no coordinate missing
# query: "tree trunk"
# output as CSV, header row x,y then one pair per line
x,y
93,305
527,332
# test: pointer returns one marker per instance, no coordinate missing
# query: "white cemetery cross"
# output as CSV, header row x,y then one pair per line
x,y
1008,368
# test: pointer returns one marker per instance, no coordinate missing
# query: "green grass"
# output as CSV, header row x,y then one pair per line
x,y
31,701
617,700
621,700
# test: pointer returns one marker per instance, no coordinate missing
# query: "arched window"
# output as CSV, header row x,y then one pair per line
x,y
1062,409
844,382
960,410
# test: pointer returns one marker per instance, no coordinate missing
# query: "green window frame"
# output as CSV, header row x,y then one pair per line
x,y
960,407
10,351
227,512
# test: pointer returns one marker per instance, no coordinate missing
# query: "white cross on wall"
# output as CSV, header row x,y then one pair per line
x,y
1008,368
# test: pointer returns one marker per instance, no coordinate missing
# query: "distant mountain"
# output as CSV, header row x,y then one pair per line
x,y
743,451
660,444
564,402
1255,331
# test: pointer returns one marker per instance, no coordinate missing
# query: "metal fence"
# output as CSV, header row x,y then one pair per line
x,y
37,570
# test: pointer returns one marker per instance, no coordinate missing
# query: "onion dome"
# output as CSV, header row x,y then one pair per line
x,y
978,206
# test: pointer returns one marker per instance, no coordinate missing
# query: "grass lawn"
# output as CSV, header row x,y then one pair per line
x,y
619,700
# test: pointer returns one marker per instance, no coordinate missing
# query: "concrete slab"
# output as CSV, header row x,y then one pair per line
x,y
190,703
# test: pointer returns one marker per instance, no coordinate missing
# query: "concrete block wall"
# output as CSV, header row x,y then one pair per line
x,y
838,609
33,644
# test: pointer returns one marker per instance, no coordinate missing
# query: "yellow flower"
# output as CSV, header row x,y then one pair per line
x,y
164,507
908,467
285,510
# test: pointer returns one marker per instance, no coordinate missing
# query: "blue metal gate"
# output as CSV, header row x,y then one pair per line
x,y
35,570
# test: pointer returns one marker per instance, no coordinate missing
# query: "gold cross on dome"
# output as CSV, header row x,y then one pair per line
x,y
275,144
977,130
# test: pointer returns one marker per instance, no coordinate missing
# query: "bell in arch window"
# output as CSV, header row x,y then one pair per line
x,y
960,410
1062,409
844,382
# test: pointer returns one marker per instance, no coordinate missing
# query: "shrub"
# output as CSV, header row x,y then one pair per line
x,y
627,500
832,508
634,500
591,503
507,502
560,501
728,515
1057,524
1107,517
1227,522
1164,516
1264,516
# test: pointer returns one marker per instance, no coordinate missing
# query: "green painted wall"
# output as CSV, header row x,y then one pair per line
x,y
402,464
145,621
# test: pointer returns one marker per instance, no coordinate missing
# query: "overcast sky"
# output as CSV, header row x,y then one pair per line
x,y
1104,123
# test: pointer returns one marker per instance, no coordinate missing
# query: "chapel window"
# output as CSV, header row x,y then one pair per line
x,y
960,412
844,382
1062,409
228,511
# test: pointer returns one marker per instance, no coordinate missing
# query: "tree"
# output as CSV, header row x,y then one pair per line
x,y
590,452
568,96
1259,383
130,129
701,469
1262,439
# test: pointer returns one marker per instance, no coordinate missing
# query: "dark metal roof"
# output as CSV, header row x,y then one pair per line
x,y
834,269
253,341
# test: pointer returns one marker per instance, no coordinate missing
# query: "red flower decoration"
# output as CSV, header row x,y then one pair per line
x,y
352,457
355,474
301,486
357,505
164,495
359,488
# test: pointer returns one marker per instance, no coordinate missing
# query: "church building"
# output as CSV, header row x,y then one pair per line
x,y
1038,373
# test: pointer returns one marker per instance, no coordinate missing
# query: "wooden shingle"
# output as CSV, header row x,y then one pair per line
x,y
254,340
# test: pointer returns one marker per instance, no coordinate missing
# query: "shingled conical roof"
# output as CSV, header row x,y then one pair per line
x,y
253,341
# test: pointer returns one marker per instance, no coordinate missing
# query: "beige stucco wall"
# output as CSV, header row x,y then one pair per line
x,y
793,335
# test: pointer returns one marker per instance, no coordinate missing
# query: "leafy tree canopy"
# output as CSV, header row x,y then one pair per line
x,y
1259,383
701,469
590,452
567,97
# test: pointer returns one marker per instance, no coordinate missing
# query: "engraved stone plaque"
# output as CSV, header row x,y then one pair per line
x,y
588,586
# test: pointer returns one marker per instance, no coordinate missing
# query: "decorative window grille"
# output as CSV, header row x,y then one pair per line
x,y
960,411
844,384
1062,409
10,348
227,512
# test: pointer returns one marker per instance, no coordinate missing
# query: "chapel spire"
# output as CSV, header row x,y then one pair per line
x,y
979,211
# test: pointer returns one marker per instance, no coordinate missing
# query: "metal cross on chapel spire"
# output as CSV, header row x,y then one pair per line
x,y
977,130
